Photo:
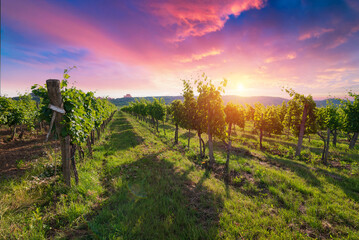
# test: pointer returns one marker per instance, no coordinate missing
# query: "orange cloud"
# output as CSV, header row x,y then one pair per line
x,y
196,57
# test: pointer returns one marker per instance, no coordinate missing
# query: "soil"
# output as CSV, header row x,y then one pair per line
x,y
16,156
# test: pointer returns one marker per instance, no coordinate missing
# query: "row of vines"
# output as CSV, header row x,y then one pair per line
x,y
84,117
207,114
22,113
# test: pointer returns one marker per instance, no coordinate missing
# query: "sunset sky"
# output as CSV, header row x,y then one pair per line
x,y
146,47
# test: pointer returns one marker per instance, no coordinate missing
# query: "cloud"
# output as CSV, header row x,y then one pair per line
x,y
145,47
197,57
314,33
196,17
288,56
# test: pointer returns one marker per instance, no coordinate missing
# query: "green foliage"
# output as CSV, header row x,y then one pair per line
x,y
156,109
192,114
249,112
176,111
210,101
235,114
293,117
18,112
84,112
282,110
330,117
351,113
267,119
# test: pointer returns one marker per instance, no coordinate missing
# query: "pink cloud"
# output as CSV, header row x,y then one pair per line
x,y
199,56
197,18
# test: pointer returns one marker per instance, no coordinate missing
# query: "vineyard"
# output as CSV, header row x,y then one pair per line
x,y
191,169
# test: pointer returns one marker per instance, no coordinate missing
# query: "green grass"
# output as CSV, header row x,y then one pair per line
x,y
139,185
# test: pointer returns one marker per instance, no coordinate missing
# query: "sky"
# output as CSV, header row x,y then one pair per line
x,y
145,47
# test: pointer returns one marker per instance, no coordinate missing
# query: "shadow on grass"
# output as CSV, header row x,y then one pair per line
x,y
219,146
156,200
350,186
166,127
301,170
122,136
185,135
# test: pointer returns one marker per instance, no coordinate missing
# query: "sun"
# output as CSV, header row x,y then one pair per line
x,y
240,88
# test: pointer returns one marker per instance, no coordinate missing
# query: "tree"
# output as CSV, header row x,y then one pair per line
x,y
29,113
234,116
15,113
273,117
157,110
176,113
249,112
210,100
266,120
339,124
327,120
259,121
300,116
282,110
189,108
200,125
351,117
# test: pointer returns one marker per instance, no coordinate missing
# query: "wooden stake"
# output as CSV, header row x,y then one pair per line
x,y
54,93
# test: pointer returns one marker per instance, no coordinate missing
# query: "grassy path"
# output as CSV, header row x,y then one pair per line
x,y
153,193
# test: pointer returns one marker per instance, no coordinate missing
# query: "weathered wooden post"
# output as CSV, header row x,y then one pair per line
x,y
54,92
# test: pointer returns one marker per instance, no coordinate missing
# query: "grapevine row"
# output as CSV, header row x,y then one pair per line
x,y
84,115
207,114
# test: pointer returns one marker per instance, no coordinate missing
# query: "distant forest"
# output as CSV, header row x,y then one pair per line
x,y
265,100
230,98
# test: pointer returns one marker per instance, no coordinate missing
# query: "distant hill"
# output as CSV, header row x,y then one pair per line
x,y
252,100
323,103
125,101
265,100
33,97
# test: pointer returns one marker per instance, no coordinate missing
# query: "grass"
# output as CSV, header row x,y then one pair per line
x,y
138,185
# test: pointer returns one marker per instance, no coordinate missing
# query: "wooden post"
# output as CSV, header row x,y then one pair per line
x,y
54,92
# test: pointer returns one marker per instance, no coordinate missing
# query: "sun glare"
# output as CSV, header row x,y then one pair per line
x,y
240,88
